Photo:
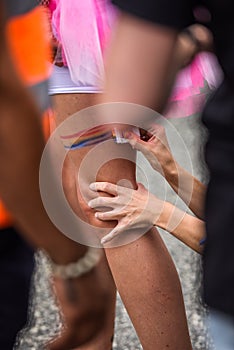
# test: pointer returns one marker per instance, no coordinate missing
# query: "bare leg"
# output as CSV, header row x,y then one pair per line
x,y
152,295
71,312
66,105
143,270
147,281
22,144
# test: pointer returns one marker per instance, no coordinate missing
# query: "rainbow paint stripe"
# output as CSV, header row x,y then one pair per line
x,y
85,138
93,136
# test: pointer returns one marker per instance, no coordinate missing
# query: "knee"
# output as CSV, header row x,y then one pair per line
x,y
89,215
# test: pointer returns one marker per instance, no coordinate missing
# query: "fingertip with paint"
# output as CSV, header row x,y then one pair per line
x,y
104,240
127,134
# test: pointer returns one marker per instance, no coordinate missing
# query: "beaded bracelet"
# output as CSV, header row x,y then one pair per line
x,y
78,268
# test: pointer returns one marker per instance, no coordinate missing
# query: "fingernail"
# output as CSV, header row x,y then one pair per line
x,y
104,241
92,186
89,204
96,215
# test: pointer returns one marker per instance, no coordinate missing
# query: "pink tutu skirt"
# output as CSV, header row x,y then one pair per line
x,y
83,27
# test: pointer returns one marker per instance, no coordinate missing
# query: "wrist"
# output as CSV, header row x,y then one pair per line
x,y
162,220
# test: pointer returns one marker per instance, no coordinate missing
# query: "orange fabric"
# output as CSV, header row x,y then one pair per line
x,y
46,123
29,44
5,218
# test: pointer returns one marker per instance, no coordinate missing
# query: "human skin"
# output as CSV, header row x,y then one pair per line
x,y
136,209
157,151
139,209
135,48
67,105
143,271
19,187
140,68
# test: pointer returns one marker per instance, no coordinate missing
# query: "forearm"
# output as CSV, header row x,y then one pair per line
x,y
21,148
135,71
189,189
187,228
20,153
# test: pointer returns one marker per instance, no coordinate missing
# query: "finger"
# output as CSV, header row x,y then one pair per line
x,y
135,141
108,215
101,202
156,129
114,233
104,187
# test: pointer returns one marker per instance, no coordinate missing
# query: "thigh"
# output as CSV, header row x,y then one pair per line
x,y
106,161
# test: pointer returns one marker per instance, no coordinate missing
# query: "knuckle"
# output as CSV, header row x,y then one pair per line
x,y
96,202
105,186
117,197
